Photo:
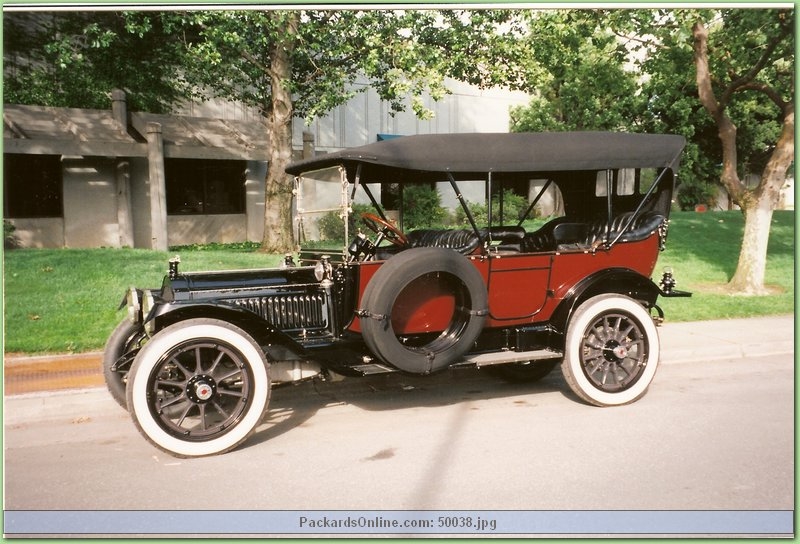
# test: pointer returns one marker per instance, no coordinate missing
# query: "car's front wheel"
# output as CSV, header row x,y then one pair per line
x,y
198,387
612,350
125,338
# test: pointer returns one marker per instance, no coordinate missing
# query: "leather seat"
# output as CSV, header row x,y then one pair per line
x,y
462,240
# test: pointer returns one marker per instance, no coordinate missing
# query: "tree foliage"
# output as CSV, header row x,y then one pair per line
x,y
581,82
75,59
284,63
724,78
304,63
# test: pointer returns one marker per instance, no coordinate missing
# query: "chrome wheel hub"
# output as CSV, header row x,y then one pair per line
x,y
201,388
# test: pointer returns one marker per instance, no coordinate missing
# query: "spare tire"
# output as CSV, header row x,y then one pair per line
x,y
424,309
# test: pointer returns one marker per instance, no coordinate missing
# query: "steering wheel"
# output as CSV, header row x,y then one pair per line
x,y
379,226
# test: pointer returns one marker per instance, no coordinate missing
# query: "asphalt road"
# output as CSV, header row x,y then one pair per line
x,y
710,435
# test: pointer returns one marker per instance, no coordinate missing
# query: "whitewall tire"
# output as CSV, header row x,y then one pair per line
x,y
198,387
611,352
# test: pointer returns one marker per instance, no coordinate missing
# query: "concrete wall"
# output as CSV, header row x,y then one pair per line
x,y
39,232
140,202
203,229
90,205
90,185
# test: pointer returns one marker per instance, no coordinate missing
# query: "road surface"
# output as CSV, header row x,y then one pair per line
x,y
709,435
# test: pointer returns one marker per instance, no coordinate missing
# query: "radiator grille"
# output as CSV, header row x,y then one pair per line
x,y
288,312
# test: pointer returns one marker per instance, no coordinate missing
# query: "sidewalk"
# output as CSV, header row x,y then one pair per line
x,y
51,385
722,339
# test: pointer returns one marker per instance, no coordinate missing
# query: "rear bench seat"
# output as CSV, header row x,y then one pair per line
x,y
564,235
560,234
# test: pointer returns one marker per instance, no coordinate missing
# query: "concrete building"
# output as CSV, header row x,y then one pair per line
x,y
113,178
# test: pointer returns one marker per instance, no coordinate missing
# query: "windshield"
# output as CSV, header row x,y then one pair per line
x,y
330,206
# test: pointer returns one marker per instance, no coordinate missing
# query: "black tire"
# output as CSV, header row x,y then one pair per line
x,y
457,275
612,350
199,387
529,372
126,337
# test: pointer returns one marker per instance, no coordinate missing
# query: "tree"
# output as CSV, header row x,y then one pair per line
x,y
737,65
754,53
302,63
581,80
722,78
73,59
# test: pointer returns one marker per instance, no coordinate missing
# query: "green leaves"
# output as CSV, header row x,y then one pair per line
x,y
634,70
75,59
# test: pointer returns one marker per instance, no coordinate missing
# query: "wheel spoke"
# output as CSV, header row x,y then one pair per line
x,y
198,361
604,375
230,374
174,400
597,344
185,413
186,373
203,422
231,393
626,335
221,410
216,361
171,383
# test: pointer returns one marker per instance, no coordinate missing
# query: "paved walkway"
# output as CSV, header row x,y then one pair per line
x,y
680,342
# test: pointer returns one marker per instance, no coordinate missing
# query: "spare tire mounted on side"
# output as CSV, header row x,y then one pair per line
x,y
385,309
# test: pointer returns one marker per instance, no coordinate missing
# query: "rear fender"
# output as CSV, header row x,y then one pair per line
x,y
616,280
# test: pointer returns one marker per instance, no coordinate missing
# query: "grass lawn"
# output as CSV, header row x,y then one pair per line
x,y
66,300
703,250
60,301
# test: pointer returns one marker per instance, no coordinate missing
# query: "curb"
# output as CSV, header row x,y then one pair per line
x,y
71,386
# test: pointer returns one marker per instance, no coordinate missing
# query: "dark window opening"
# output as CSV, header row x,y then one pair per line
x,y
32,186
204,187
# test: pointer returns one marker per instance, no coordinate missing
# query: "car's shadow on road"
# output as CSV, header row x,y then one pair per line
x,y
293,405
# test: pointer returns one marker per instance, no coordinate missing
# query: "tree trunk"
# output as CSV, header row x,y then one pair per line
x,y
751,269
757,206
278,186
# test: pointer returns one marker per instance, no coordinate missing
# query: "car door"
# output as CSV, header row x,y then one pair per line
x,y
518,285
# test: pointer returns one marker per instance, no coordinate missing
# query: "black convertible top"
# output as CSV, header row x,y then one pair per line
x,y
464,155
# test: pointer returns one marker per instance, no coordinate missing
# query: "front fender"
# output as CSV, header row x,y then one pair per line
x,y
264,333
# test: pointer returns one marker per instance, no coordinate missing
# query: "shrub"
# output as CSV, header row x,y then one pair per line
x,y
331,226
693,192
422,207
10,240
514,206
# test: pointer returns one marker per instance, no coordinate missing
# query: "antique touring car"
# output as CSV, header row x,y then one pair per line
x,y
563,278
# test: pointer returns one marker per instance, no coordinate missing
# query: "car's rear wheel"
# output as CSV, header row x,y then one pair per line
x,y
612,350
529,372
126,337
199,387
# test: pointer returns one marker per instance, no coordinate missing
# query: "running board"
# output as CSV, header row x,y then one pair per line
x,y
477,360
503,357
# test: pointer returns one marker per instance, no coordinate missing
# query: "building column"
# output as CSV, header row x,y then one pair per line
x,y
158,188
309,151
122,173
